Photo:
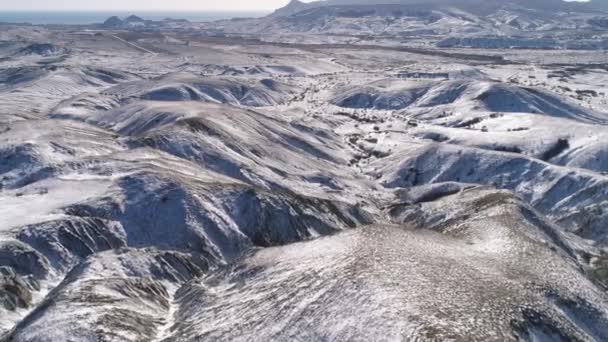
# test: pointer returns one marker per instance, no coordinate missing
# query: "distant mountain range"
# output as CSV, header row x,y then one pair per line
x,y
529,24
134,21
537,24
474,6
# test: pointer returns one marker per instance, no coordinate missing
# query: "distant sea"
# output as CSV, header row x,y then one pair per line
x,y
83,18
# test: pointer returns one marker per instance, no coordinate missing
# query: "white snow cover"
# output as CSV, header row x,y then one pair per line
x,y
331,172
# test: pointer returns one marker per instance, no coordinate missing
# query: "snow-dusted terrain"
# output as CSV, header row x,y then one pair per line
x,y
332,172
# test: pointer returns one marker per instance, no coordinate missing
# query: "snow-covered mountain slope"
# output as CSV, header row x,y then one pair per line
x,y
181,185
352,286
581,146
446,100
31,90
542,24
63,211
183,87
477,6
480,6
349,286
561,193
256,148
364,20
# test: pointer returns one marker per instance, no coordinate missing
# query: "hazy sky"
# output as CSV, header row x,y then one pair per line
x,y
119,5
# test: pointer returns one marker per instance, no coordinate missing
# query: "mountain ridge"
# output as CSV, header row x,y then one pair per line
x,y
476,6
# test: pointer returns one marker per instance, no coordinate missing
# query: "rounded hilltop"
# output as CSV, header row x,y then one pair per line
x,y
117,22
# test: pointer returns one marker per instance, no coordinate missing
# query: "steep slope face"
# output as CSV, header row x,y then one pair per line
x,y
86,190
555,140
350,286
150,205
430,100
132,302
33,150
83,106
572,198
259,149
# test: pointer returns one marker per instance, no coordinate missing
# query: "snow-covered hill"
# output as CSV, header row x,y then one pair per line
x,y
542,24
248,181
